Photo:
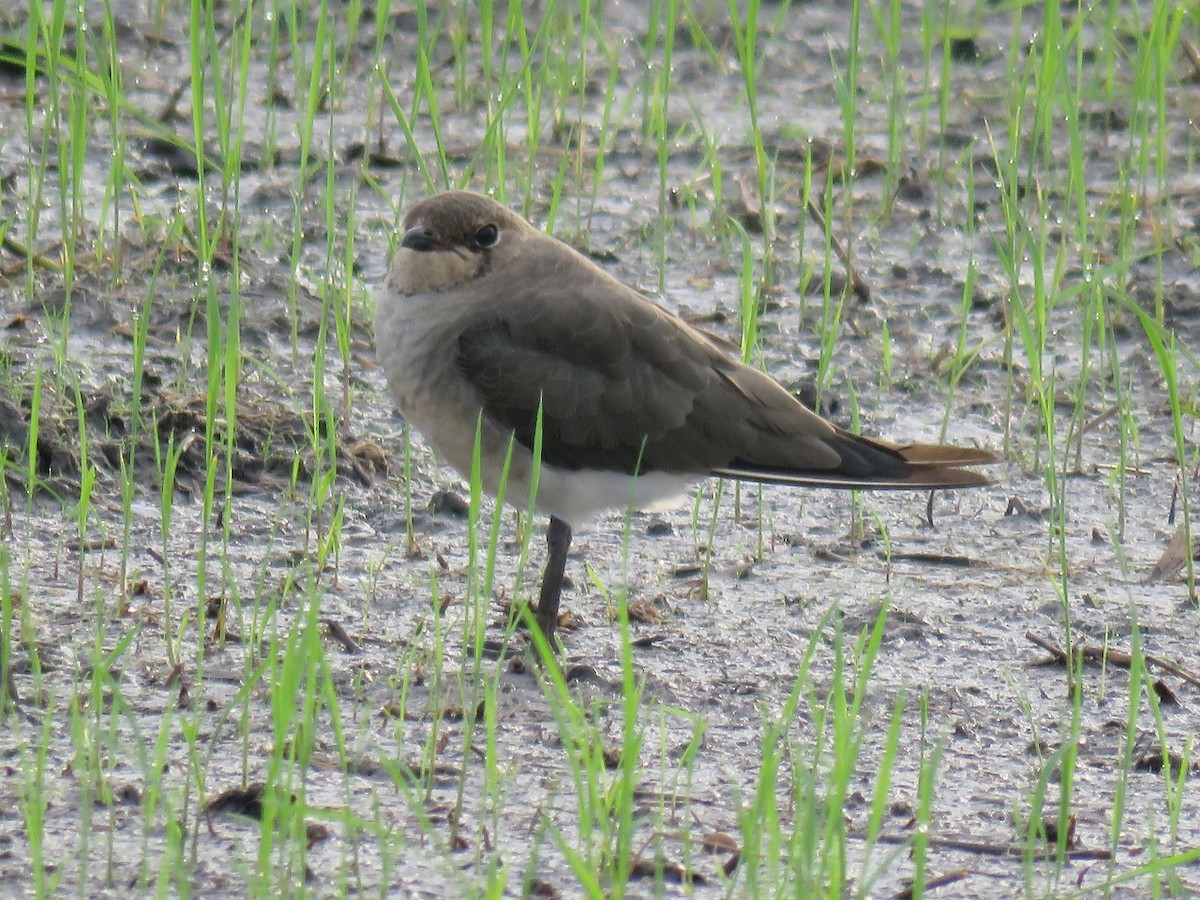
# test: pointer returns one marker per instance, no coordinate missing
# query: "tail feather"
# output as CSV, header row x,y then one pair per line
x,y
873,464
925,479
924,456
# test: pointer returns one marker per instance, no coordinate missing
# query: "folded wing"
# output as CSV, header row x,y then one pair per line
x,y
634,389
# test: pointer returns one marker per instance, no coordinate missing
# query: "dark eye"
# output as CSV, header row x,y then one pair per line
x,y
487,236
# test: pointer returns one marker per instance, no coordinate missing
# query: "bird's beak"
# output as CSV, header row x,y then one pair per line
x,y
419,238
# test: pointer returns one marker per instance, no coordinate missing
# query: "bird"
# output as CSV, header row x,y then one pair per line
x,y
486,326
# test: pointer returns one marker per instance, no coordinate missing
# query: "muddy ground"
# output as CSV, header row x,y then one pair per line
x,y
716,659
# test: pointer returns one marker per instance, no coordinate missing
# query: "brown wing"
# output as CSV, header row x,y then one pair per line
x,y
626,386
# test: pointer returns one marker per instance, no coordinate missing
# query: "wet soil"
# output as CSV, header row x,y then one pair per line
x,y
716,649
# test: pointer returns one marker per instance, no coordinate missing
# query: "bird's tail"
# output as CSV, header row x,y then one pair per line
x,y
874,464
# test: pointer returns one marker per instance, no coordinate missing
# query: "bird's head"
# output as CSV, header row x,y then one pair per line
x,y
453,238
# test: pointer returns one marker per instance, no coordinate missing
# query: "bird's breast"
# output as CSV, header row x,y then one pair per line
x,y
416,340
414,343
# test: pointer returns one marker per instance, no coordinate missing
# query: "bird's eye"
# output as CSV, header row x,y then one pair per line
x,y
487,236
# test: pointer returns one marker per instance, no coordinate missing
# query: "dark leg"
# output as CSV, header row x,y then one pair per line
x,y
558,542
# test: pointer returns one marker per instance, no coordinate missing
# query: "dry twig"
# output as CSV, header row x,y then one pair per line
x,y
1112,656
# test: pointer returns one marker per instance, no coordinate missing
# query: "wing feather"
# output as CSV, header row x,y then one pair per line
x,y
626,386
